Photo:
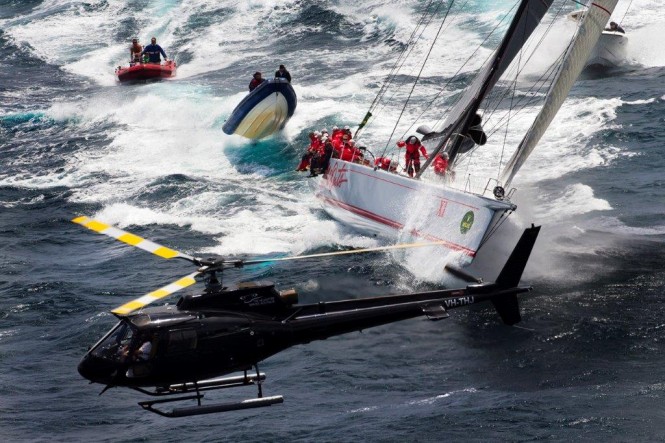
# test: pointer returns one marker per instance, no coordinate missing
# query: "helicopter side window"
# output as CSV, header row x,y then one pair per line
x,y
115,346
181,341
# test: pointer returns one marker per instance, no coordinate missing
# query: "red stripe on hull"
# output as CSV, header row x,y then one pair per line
x,y
396,225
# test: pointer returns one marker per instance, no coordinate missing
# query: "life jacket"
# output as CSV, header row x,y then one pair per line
x,y
350,154
338,143
386,164
412,149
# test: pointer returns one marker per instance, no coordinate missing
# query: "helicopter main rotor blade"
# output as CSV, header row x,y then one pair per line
x,y
133,240
353,251
158,294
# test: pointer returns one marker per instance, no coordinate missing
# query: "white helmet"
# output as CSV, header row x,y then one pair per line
x,y
346,128
445,155
317,133
335,127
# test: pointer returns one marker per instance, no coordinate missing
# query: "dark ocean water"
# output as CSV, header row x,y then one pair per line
x,y
585,363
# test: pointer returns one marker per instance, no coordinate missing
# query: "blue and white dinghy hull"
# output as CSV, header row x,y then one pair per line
x,y
264,111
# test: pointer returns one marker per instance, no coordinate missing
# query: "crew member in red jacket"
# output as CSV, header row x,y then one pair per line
x,y
386,164
314,146
350,153
257,79
412,155
440,164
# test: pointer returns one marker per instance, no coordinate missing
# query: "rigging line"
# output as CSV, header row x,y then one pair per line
x,y
411,48
452,2
535,88
540,42
486,60
392,73
445,86
497,225
549,73
405,55
512,100
405,58
523,102
626,13
580,3
544,79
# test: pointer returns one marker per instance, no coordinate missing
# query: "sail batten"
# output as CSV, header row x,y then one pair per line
x,y
526,19
589,30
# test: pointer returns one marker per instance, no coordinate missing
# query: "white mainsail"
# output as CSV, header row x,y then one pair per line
x,y
588,32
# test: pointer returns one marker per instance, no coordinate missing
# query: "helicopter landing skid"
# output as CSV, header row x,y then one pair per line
x,y
208,385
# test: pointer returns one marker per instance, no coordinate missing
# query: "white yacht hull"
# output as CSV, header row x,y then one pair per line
x,y
378,202
610,50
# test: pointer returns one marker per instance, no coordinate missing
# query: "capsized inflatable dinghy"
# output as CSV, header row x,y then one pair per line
x,y
264,111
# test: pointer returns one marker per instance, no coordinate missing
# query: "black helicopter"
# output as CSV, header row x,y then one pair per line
x,y
177,350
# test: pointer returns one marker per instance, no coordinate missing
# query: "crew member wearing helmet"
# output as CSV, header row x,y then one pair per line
x,y
412,155
440,164
386,164
314,147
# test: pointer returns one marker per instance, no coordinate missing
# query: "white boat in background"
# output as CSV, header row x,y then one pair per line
x,y
389,204
611,49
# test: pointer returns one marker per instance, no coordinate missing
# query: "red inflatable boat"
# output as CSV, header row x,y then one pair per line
x,y
145,71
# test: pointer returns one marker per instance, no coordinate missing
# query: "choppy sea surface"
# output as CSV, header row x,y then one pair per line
x,y
585,363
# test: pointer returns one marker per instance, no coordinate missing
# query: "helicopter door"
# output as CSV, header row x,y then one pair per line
x,y
181,341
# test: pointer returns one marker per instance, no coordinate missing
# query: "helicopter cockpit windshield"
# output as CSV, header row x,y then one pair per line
x,y
115,346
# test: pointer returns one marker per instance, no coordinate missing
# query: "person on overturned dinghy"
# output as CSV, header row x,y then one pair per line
x,y
256,81
153,50
283,73
412,155
135,52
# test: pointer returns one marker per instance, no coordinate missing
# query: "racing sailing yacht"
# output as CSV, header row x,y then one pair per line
x,y
380,202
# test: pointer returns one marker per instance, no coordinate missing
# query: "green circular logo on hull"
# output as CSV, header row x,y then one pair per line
x,y
467,222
